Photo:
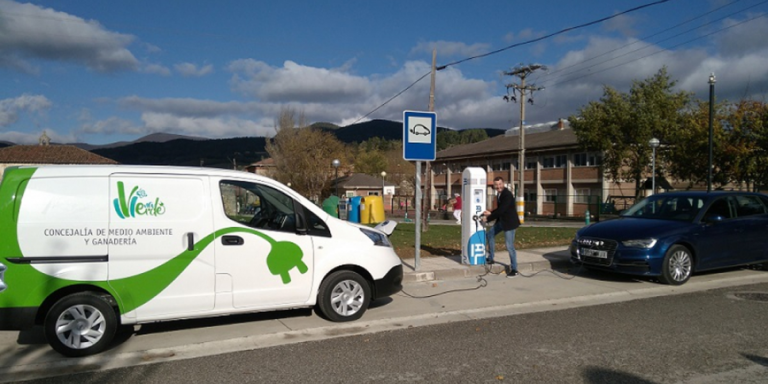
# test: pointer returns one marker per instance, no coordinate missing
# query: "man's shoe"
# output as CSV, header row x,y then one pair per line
x,y
512,274
489,261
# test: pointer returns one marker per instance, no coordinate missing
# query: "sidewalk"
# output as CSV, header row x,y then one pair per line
x,y
450,267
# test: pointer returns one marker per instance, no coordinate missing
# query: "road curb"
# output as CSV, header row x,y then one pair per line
x,y
465,271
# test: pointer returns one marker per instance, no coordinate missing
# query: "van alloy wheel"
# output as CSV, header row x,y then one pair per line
x,y
347,297
80,324
344,296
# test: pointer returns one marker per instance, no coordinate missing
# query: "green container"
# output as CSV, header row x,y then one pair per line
x,y
331,206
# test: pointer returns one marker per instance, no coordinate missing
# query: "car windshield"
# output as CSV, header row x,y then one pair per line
x,y
681,208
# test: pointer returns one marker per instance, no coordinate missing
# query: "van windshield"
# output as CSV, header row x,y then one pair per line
x,y
679,208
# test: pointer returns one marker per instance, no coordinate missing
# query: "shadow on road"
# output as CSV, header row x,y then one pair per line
x,y
599,375
756,359
168,326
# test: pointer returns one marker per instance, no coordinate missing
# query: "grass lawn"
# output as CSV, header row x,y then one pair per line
x,y
445,240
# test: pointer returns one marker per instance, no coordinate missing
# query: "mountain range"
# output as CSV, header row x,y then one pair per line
x,y
171,149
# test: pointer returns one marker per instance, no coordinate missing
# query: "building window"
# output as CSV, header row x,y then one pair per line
x,y
582,196
370,193
530,163
557,161
550,195
586,160
529,196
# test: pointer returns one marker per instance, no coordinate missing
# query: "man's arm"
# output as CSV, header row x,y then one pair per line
x,y
505,202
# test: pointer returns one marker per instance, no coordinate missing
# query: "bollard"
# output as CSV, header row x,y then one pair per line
x,y
586,217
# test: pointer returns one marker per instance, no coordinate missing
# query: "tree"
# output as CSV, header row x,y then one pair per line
x,y
303,155
689,154
370,162
449,138
621,124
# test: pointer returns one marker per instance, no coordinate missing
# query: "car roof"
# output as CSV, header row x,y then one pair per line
x,y
709,194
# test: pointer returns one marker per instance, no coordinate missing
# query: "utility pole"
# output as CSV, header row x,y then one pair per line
x,y
428,173
522,72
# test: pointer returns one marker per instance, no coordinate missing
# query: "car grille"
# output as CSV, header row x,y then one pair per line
x,y
609,246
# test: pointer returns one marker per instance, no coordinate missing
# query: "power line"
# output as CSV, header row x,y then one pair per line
x,y
439,68
554,34
546,74
393,97
648,45
660,50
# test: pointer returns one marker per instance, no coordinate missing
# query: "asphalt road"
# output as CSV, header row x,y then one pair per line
x,y
714,336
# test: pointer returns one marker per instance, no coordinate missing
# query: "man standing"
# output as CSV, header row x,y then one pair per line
x,y
507,221
457,208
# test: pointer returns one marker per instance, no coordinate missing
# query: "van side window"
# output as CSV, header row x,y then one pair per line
x,y
258,206
315,225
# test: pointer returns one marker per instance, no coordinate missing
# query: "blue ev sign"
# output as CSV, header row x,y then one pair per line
x,y
419,135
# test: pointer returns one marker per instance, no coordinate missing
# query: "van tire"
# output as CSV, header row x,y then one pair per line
x,y
344,296
80,324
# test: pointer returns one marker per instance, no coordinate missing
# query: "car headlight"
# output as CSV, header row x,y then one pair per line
x,y
639,243
378,238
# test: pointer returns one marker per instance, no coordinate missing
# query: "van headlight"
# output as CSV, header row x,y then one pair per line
x,y
378,238
639,243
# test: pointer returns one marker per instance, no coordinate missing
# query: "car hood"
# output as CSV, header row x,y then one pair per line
x,y
626,228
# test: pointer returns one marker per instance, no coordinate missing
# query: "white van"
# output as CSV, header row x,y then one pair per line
x,y
84,249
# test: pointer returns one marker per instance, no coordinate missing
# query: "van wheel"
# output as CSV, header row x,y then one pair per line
x,y
344,296
677,266
80,324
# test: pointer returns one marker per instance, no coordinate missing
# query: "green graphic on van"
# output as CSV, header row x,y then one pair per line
x,y
130,206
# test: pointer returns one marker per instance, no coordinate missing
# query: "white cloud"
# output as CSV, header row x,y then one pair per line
x,y
450,48
210,127
156,69
192,107
10,108
622,24
742,39
295,83
191,70
112,125
34,32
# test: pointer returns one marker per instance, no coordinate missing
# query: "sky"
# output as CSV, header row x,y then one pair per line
x,y
98,72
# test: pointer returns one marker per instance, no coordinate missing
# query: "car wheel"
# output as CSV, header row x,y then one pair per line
x,y
344,296
677,266
80,324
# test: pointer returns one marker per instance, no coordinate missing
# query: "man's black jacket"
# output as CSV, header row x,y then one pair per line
x,y
505,211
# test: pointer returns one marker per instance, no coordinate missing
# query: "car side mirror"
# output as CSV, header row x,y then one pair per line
x,y
713,218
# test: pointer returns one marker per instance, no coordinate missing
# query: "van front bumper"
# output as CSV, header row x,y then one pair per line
x,y
390,284
17,319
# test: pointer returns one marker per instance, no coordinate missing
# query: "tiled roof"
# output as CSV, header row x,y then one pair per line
x,y
50,154
555,139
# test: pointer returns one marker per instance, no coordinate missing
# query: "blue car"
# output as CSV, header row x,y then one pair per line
x,y
672,235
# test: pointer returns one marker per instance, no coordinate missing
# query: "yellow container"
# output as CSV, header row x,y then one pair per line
x,y
372,210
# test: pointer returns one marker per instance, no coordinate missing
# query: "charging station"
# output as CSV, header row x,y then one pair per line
x,y
473,191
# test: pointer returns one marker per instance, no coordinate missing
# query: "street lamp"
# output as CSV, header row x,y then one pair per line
x,y
289,184
383,175
654,143
336,164
711,108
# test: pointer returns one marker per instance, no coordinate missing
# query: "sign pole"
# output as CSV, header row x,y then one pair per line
x,y
417,258
419,144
